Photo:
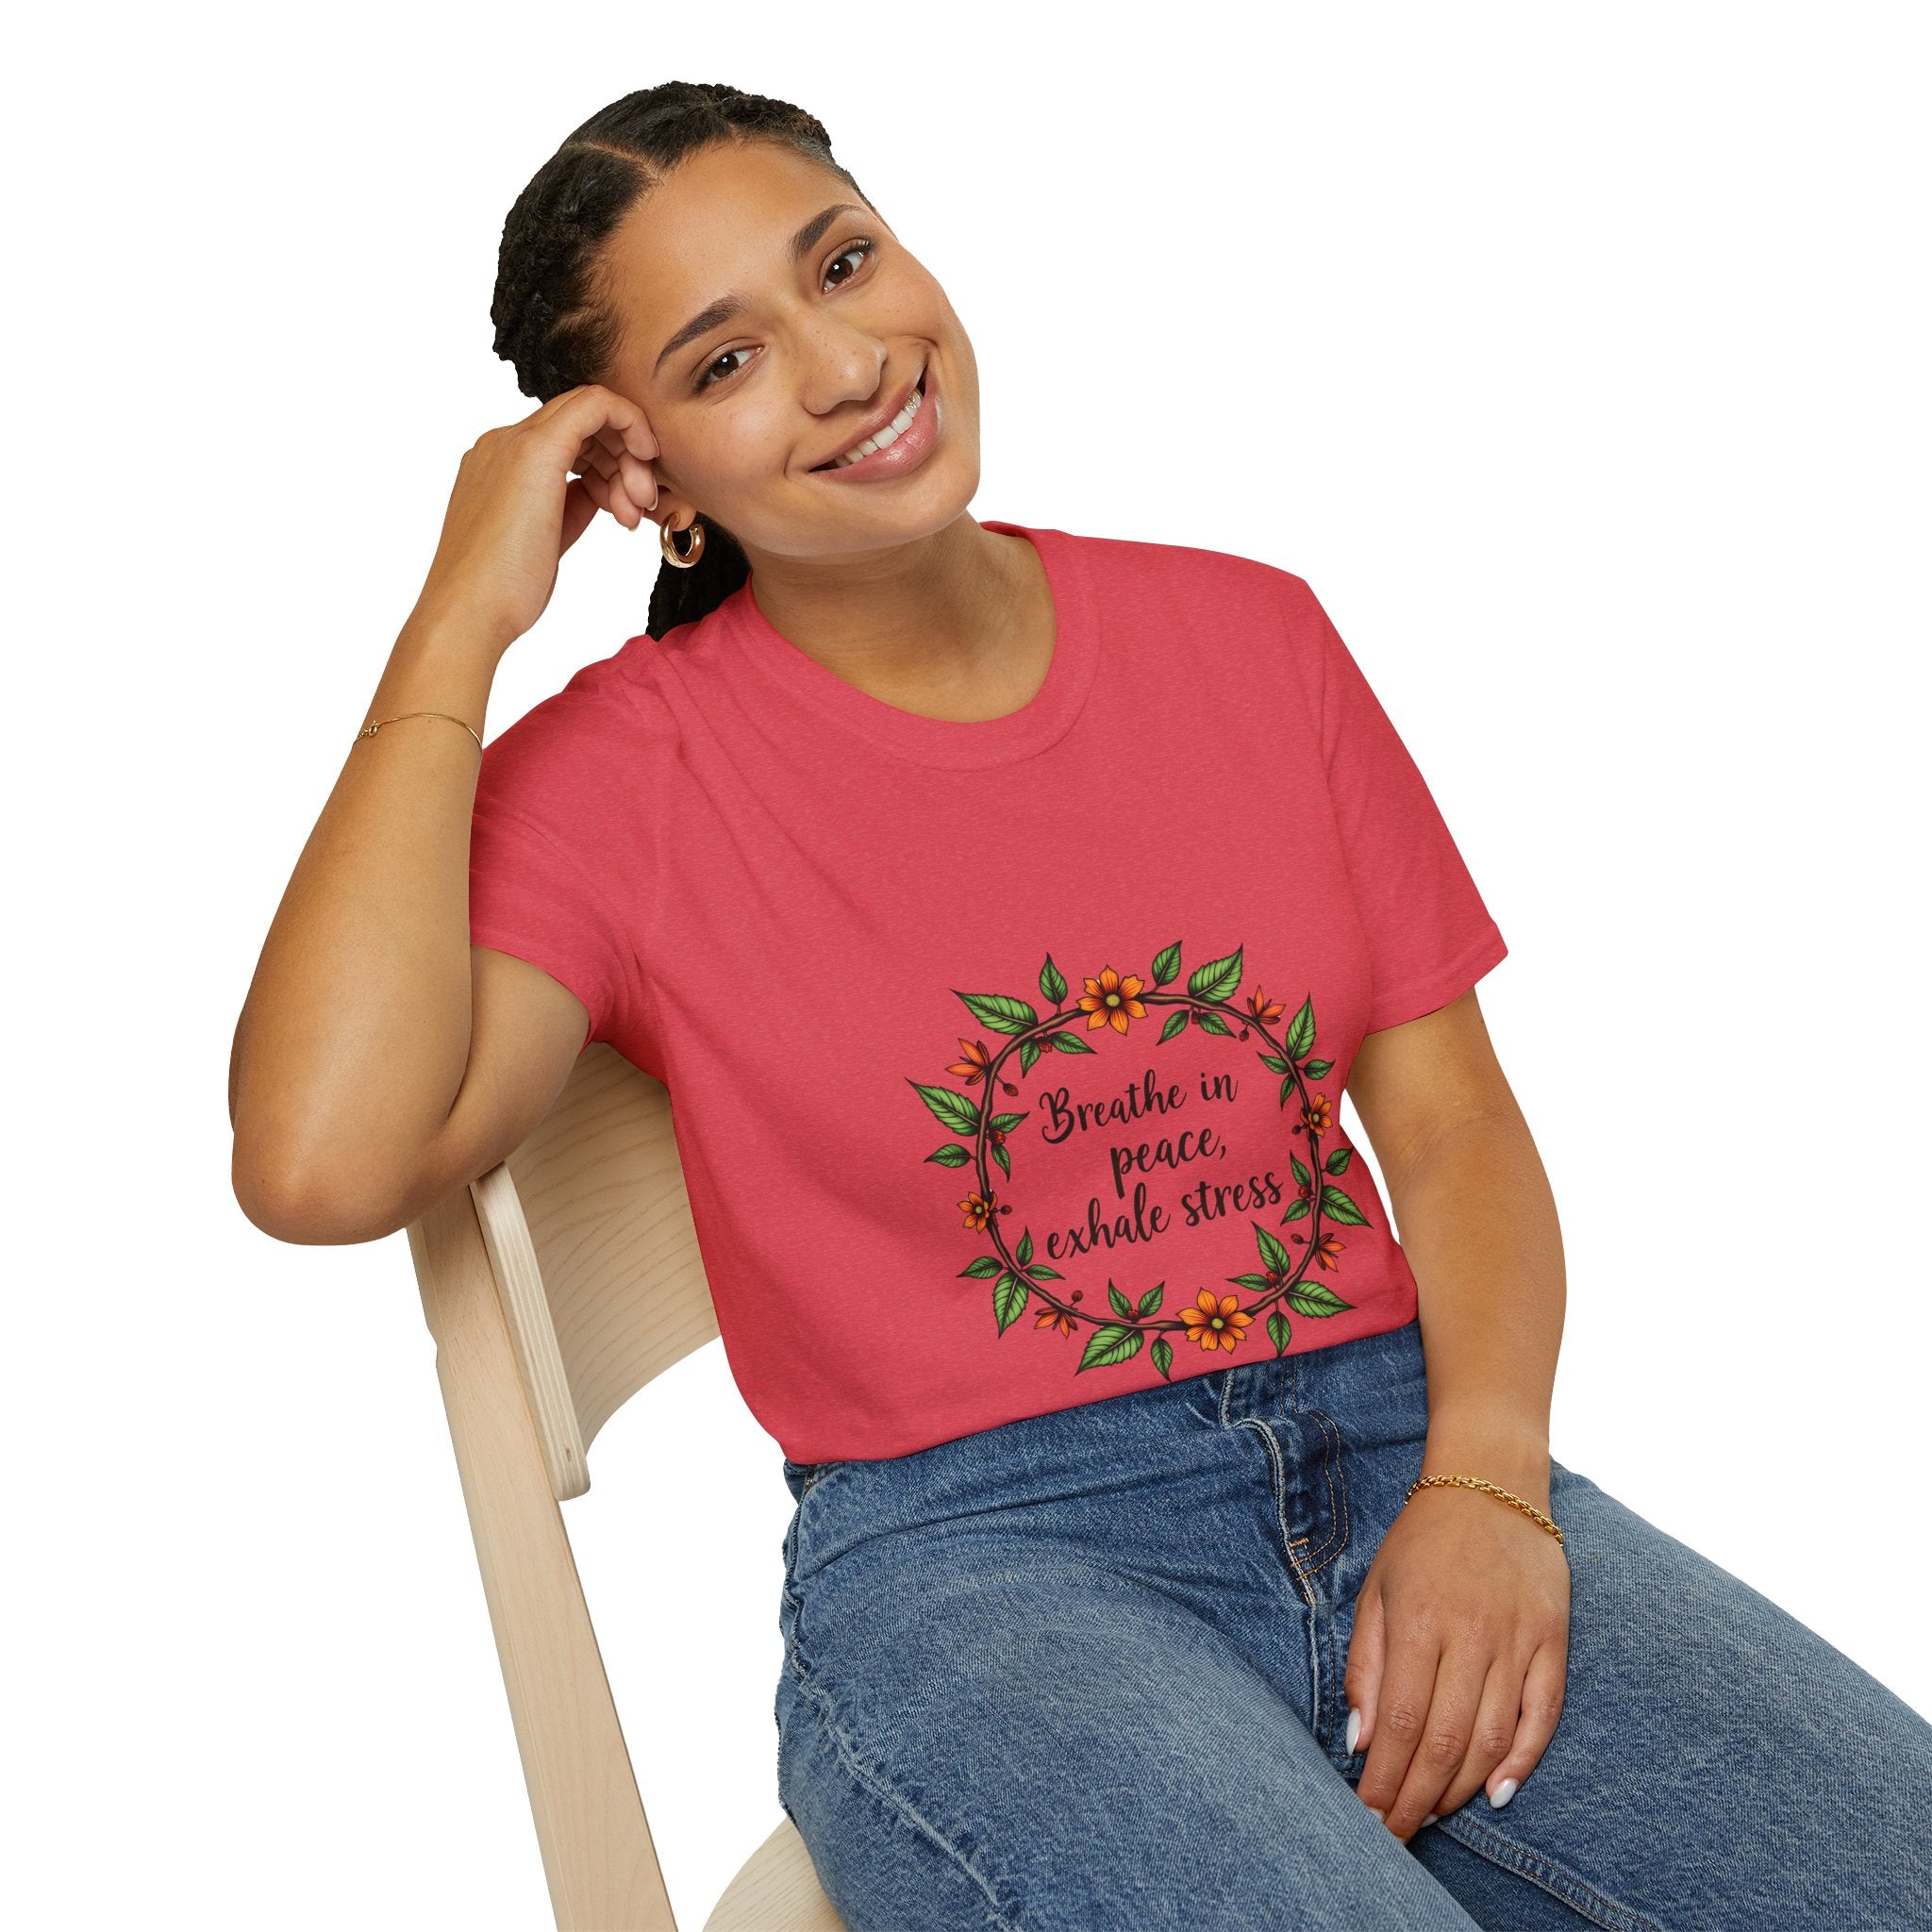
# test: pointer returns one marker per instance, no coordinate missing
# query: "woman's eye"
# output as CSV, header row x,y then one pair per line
x,y
724,362
861,249
722,366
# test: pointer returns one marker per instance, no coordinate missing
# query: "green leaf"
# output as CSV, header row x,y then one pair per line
x,y
1274,1257
1122,1306
1109,1344
1006,1123
1301,1030
1161,1354
1288,1092
1297,1210
1256,1281
1000,1012
1220,979
1278,1331
1275,1065
1029,1052
980,1267
1150,1301
1070,1043
951,1155
1338,1206
1312,1298
1213,1023
1338,1161
1040,1272
1317,1069
1176,1022
1167,963
1008,1300
1024,1252
1301,1173
1005,1160
952,1110
1053,985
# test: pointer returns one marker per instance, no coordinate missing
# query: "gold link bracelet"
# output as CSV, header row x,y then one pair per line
x,y
370,730
1473,1482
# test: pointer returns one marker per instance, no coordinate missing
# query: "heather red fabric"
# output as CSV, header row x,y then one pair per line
x,y
1004,1057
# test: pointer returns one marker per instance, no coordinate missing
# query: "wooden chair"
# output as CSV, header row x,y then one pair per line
x,y
556,1286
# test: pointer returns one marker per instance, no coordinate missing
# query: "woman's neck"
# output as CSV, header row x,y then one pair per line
x,y
958,624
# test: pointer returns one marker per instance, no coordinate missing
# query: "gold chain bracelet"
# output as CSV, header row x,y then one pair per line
x,y
1474,1482
370,730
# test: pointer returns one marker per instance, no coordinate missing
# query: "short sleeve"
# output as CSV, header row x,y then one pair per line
x,y
551,859
530,898
1430,935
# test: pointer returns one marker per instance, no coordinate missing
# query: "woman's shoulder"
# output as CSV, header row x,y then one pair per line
x,y
1142,562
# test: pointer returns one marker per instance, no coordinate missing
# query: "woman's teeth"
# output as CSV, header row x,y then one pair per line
x,y
889,434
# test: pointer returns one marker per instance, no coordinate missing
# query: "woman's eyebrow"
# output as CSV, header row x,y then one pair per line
x,y
722,310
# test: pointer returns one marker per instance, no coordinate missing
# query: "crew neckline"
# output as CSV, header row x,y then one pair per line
x,y
957,745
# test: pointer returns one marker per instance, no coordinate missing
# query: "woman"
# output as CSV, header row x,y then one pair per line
x,y
1004,911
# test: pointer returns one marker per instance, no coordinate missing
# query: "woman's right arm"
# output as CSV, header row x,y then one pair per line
x,y
381,1060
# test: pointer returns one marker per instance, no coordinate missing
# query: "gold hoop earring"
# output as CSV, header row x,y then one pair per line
x,y
667,543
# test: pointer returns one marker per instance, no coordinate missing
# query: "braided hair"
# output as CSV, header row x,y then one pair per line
x,y
552,319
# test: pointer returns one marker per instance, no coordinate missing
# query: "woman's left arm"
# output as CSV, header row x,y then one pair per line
x,y
1460,1645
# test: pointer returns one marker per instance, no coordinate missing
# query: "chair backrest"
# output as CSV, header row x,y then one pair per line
x,y
557,1285
590,1234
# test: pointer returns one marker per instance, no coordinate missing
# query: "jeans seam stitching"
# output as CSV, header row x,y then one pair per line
x,y
1514,1856
1337,1511
878,1787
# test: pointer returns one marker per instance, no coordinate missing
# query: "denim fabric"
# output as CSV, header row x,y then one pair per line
x,y
1085,1671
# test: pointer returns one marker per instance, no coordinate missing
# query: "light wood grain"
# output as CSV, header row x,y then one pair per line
x,y
556,1286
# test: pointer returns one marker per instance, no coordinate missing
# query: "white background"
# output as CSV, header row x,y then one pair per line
x,y
1577,359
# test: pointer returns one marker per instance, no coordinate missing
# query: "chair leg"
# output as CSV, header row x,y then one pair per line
x,y
598,1856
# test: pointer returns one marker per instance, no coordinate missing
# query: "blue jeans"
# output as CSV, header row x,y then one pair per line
x,y
1085,1671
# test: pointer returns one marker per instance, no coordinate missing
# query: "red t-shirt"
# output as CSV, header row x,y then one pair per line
x,y
1004,1057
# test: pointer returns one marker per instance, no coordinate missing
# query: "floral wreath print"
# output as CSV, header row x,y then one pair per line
x,y
1110,1004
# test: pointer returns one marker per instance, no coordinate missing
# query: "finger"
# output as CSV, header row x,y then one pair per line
x,y
580,506
1402,1710
589,409
609,495
594,455
1446,1730
1493,1733
639,481
1363,1676
1543,1705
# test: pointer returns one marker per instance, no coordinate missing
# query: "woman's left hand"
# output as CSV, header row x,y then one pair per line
x,y
1459,1656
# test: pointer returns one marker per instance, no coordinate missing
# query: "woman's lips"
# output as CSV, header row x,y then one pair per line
x,y
906,452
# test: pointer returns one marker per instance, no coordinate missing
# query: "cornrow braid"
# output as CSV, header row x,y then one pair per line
x,y
552,319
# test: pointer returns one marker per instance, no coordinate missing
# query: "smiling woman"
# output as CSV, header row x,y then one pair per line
x,y
660,251
1174,1545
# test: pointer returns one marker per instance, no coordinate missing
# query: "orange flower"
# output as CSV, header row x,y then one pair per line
x,y
1266,1011
1053,1318
1110,999
1317,1116
977,1063
1326,1249
1215,1323
978,1212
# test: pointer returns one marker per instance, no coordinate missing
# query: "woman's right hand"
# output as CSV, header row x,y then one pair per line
x,y
524,494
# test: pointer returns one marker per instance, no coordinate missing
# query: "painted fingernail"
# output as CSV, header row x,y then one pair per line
x,y
1503,1793
1355,1730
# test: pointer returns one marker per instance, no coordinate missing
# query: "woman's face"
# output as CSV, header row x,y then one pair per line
x,y
748,406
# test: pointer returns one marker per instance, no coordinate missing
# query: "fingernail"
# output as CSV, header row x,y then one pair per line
x,y
1376,1815
1503,1793
1355,1730
1432,1817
